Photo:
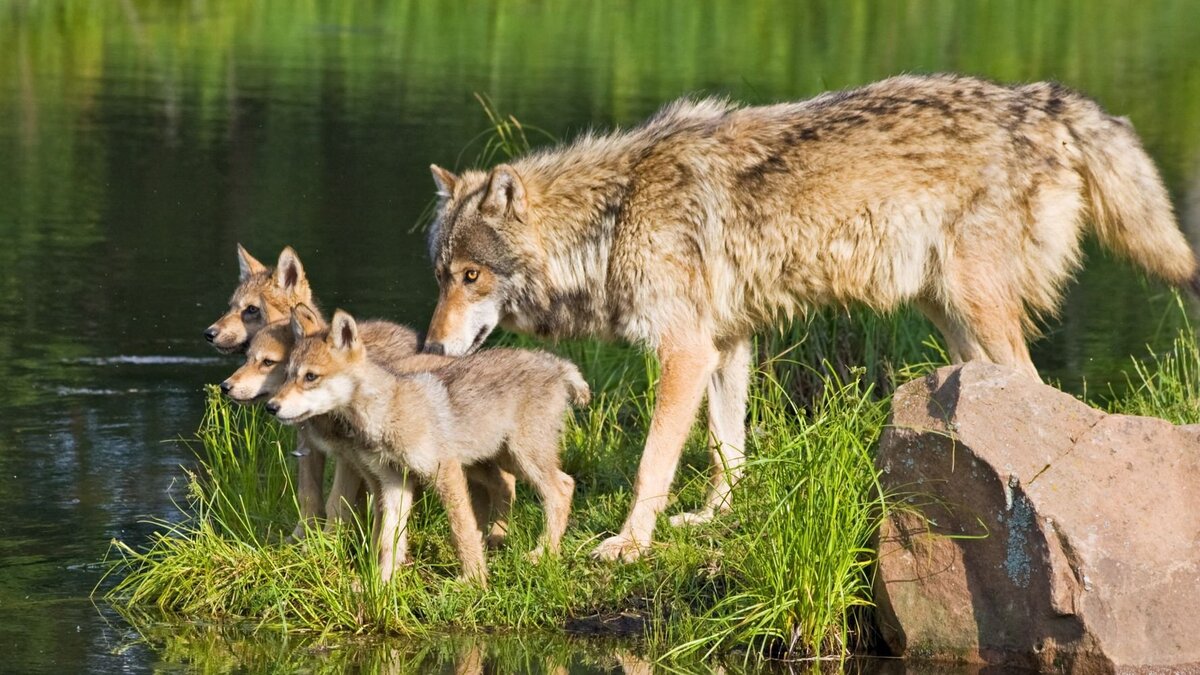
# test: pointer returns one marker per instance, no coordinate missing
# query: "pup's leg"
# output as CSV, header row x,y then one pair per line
x,y
391,529
728,391
310,476
687,363
492,491
503,489
451,484
534,452
343,495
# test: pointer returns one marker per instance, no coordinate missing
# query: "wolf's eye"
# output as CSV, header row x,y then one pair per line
x,y
252,310
470,276
310,377
269,362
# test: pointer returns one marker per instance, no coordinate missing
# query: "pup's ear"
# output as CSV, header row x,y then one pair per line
x,y
343,333
247,265
305,322
289,273
506,191
445,181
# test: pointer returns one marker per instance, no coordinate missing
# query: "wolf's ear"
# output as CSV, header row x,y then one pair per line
x,y
289,273
506,191
305,321
445,181
343,333
247,265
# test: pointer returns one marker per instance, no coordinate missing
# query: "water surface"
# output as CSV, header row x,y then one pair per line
x,y
140,140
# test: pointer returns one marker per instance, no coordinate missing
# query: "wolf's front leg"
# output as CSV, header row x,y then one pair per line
x,y
451,484
310,474
728,391
686,368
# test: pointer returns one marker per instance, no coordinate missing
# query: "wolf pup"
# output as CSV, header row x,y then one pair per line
x,y
263,373
712,221
505,405
265,295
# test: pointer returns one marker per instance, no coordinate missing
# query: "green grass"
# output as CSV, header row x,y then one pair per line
x,y
787,573
784,572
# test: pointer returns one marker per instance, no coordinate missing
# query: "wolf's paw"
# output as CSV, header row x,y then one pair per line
x,y
690,518
620,547
540,553
495,541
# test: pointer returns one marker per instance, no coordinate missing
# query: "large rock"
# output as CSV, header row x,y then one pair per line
x,y
1037,531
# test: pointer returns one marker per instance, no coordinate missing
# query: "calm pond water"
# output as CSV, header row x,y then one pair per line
x,y
140,140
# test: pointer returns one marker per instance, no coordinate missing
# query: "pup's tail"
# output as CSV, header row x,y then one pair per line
x,y
577,387
1131,211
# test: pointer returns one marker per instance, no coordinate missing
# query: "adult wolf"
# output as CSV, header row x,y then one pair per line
x,y
710,221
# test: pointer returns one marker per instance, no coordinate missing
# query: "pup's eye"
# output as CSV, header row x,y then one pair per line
x,y
269,362
310,377
470,276
252,310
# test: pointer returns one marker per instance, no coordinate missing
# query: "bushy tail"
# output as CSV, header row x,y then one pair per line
x,y
577,387
1130,209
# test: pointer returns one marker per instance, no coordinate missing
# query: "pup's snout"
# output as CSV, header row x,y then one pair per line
x,y
225,387
272,407
210,334
435,348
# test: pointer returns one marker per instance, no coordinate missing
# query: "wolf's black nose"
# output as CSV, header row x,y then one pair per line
x,y
225,387
210,334
272,407
435,348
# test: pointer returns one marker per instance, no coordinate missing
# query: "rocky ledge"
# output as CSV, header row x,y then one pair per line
x,y
1037,531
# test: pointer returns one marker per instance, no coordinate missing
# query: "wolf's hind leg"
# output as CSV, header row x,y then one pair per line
x,y
728,391
960,342
990,316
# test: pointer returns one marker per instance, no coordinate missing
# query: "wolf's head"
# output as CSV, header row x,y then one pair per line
x,y
321,369
263,296
265,368
471,247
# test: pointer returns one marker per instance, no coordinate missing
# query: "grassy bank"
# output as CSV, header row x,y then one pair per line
x,y
787,569
786,572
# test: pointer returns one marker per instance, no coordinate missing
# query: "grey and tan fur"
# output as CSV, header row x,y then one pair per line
x,y
265,297
711,221
502,405
264,372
